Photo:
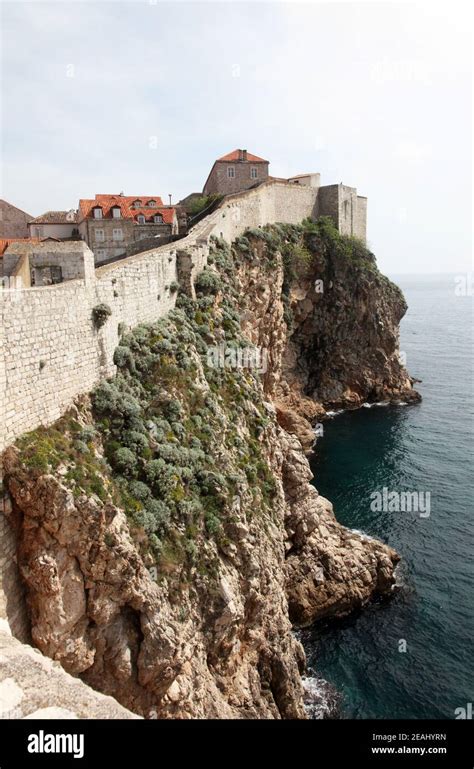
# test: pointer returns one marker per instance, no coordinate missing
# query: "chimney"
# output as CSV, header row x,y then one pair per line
x,y
244,154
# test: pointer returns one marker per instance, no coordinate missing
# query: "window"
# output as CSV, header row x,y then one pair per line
x,y
231,172
47,276
97,213
346,208
117,233
137,203
99,235
253,173
151,204
158,219
100,253
116,212
141,219
38,232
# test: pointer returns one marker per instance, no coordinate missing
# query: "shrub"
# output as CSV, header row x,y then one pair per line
x,y
243,243
87,434
100,314
127,405
174,286
205,302
212,522
81,447
191,550
161,476
211,483
198,204
125,461
173,409
183,359
186,473
139,490
123,358
104,398
208,282
160,513
254,232
163,346
135,441
146,520
173,453
156,545
178,430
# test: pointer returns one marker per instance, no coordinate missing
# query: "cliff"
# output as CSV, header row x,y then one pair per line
x,y
339,345
169,535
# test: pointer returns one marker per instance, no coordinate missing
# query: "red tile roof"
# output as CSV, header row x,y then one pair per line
x,y
235,155
5,242
129,199
167,214
126,205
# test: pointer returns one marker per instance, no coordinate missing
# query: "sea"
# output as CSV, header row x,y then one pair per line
x,y
410,656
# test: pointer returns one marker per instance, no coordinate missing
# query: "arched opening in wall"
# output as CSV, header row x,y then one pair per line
x,y
347,210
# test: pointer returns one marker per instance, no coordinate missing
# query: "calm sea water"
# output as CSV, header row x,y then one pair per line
x,y
427,447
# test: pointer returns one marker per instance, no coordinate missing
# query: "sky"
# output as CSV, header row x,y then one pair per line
x,y
143,96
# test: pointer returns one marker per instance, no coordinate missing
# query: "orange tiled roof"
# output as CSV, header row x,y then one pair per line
x,y
5,242
149,213
129,199
126,205
236,155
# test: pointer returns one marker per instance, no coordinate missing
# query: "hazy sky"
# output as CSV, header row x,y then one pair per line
x,y
143,96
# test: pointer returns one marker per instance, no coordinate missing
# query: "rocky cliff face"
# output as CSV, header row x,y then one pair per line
x,y
169,535
340,345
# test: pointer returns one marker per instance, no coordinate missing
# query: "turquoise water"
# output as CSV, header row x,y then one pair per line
x,y
426,447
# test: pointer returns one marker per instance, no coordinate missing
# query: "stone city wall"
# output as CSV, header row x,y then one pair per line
x,y
50,349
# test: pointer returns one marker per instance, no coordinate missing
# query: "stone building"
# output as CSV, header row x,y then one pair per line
x,y
110,224
345,207
237,171
55,224
240,170
5,243
45,263
13,221
306,180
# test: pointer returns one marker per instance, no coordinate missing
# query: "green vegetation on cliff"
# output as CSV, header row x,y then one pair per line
x,y
177,438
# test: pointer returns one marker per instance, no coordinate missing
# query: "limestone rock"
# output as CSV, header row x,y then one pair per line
x,y
219,643
33,686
